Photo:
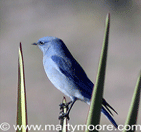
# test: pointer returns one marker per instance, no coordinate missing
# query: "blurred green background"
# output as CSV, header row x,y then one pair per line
x,y
80,24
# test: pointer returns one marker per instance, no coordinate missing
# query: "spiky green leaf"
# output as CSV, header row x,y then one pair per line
x,y
21,103
96,100
134,107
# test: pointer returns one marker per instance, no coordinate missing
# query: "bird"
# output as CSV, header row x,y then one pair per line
x,y
67,75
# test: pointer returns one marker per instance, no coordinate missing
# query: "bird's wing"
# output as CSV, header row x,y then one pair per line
x,y
71,69
63,65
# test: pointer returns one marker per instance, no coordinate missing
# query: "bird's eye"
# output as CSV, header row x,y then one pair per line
x,y
41,43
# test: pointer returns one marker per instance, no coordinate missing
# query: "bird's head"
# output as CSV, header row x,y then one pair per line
x,y
51,46
45,43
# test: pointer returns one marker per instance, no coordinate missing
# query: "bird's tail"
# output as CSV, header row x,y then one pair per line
x,y
105,109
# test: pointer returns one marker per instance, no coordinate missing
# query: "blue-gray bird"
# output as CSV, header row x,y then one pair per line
x,y
67,75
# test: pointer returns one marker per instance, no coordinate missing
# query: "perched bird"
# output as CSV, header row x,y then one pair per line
x,y
67,75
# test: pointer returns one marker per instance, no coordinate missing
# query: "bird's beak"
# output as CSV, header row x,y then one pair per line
x,y
35,44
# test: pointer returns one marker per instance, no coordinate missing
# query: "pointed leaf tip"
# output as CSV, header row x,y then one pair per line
x,y
108,15
108,19
20,44
20,47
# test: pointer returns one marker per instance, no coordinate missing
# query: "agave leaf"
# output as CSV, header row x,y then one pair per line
x,y
96,100
21,103
134,107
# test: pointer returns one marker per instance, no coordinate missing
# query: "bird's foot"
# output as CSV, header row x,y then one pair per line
x,y
64,115
62,106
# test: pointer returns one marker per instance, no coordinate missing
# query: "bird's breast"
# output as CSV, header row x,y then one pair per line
x,y
61,81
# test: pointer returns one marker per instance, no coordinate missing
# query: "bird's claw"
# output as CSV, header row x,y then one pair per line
x,y
61,112
62,105
64,115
